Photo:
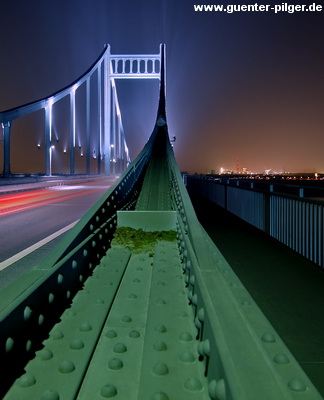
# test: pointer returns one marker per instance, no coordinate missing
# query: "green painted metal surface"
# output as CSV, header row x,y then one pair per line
x,y
166,321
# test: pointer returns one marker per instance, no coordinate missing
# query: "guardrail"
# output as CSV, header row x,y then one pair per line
x,y
293,220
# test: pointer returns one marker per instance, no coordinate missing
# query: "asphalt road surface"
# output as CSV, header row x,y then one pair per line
x,y
33,221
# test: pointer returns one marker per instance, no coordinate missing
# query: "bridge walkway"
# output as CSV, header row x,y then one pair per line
x,y
287,288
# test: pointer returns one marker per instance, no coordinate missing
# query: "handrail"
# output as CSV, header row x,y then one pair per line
x,y
290,219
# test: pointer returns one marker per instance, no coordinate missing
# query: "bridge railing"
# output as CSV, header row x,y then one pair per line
x,y
295,221
235,341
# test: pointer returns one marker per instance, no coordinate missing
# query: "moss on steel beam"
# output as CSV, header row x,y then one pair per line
x,y
137,240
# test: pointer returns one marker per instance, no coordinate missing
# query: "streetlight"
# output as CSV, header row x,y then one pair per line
x,y
51,148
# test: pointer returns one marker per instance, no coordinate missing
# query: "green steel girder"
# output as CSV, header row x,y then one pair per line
x,y
174,323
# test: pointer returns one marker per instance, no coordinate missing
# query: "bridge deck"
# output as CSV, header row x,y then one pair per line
x,y
288,288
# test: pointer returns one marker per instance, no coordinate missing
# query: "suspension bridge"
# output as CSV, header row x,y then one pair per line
x,y
136,302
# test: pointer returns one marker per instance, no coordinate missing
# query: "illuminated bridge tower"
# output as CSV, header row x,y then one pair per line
x,y
111,147
118,66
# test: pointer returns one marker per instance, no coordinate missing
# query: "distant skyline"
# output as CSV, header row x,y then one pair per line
x,y
245,85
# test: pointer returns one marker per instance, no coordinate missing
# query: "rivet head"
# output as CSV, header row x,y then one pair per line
x,y
187,357
76,344
28,345
201,314
85,327
108,391
127,318
246,303
281,359
160,328
204,348
50,395
183,314
45,354
57,334
66,367
160,369
27,313
160,396
160,346
70,313
51,298
115,364
161,302
26,380
119,348
9,344
40,319
268,338
185,337
111,334
134,334
217,390
193,384
297,385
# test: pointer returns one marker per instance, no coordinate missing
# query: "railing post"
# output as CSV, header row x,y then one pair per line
x,y
225,184
6,148
267,213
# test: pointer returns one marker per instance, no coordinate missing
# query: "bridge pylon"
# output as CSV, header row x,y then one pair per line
x,y
122,66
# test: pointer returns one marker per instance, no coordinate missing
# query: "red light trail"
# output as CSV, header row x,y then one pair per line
x,y
14,203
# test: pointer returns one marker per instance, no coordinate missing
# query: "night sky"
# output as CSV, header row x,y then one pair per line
x,y
242,89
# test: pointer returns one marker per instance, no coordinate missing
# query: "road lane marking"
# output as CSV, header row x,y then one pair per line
x,y
30,249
